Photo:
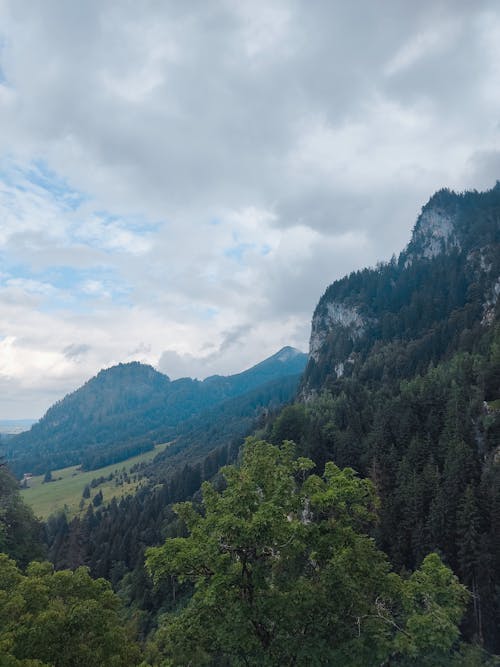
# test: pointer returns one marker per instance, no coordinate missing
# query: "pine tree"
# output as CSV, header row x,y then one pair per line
x,y
468,539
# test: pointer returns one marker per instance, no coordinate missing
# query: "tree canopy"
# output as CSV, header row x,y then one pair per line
x,y
285,574
60,619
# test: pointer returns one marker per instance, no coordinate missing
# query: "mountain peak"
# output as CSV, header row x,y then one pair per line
x,y
450,268
452,221
286,353
435,231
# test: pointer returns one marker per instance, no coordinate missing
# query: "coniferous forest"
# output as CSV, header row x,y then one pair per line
x,y
359,524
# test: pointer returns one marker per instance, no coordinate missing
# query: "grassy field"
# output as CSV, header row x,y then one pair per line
x,y
65,492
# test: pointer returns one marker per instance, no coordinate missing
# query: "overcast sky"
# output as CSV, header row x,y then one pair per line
x,y
180,181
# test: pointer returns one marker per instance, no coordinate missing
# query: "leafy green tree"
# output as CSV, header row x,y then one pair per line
x,y
61,619
284,575
433,604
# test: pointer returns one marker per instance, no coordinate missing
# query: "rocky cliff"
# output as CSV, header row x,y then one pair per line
x,y
449,272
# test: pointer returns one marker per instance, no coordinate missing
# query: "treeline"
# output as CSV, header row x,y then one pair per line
x,y
284,574
97,458
111,539
20,533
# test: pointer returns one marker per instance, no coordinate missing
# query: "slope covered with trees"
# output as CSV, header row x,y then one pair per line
x,y
126,409
403,384
435,299
274,567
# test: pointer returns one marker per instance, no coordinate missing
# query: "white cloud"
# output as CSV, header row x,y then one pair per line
x,y
180,182
423,44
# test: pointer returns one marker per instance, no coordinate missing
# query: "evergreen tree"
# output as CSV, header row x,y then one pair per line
x,y
20,532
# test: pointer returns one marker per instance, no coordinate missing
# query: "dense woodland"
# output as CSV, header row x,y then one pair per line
x,y
371,535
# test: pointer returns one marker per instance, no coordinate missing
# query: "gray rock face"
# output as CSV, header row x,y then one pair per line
x,y
334,314
434,234
451,261
339,369
490,304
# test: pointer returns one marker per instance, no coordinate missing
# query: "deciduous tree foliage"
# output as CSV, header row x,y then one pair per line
x,y
285,575
60,619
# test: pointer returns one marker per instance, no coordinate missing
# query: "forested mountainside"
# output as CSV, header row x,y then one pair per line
x,y
128,408
418,309
403,384
411,405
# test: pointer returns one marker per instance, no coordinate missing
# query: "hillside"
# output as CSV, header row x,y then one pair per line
x,y
403,383
435,298
128,408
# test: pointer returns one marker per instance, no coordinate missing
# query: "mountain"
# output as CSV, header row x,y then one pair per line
x,y
13,426
126,409
444,286
403,385
288,361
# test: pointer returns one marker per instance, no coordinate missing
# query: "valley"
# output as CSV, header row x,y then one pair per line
x,y
64,492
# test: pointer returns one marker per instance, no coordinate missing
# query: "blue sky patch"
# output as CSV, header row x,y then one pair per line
x,y
237,252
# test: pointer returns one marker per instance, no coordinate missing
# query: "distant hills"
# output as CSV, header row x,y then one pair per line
x,y
128,408
13,426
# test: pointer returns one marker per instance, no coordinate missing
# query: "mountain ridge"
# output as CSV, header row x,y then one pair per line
x,y
456,239
132,403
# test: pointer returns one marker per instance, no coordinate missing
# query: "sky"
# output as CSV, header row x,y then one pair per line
x,y
181,181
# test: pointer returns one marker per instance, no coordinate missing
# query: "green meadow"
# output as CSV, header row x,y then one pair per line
x,y
65,491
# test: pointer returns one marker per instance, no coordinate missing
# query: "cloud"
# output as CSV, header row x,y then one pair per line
x,y
76,351
180,182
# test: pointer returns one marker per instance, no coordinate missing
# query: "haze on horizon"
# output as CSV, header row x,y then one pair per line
x,y
179,182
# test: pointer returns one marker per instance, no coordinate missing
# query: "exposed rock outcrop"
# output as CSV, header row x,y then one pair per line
x,y
434,233
334,314
448,273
